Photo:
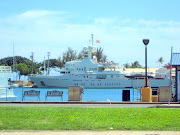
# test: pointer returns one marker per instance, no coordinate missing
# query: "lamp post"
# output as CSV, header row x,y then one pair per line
x,y
146,41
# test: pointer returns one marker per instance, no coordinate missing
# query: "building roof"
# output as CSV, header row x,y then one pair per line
x,y
175,59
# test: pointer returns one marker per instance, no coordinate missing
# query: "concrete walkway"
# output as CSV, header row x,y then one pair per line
x,y
90,104
89,132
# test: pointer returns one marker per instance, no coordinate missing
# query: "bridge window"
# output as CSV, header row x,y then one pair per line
x,y
101,77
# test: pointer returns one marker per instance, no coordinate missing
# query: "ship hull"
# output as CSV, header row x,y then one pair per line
x,y
69,80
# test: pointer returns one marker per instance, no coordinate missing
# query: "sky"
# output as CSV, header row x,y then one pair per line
x,y
42,26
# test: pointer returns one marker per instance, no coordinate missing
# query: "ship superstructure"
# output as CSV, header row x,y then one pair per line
x,y
88,73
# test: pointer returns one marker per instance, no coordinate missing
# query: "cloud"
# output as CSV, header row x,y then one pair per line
x,y
41,31
34,14
155,23
31,24
30,17
104,21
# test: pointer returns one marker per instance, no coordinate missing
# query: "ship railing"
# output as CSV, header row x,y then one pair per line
x,y
34,74
142,78
5,69
6,94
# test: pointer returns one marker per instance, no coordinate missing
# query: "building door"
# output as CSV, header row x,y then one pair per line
x,y
126,95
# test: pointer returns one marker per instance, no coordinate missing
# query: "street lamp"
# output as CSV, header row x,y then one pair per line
x,y
146,41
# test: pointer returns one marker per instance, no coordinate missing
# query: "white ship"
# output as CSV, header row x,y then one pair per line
x,y
91,74
6,93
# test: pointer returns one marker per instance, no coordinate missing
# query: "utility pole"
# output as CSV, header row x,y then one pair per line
x,y
32,56
48,62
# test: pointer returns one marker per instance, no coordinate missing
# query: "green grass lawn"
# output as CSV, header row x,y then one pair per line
x,y
55,118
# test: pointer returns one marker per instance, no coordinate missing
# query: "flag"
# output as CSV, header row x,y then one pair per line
x,y
98,41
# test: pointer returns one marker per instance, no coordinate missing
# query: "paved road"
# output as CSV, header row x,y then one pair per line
x,y
90,133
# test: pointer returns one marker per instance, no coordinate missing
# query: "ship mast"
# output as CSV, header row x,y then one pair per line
x,y
44,66
48,62
13,58
92,38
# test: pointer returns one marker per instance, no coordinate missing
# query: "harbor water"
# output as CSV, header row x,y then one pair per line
x,y
89,94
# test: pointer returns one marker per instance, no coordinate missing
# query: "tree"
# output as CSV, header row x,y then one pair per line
x,y
18,59
136,65
104,58
160,60
59,63
133,65
69,55
22,69
100,56
127,65
80,55
36,67
2,65
7,61
53,63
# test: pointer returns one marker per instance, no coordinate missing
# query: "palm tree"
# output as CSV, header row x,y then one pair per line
x,y
69,55
99,54
101,57
136,65
160,60
127,65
